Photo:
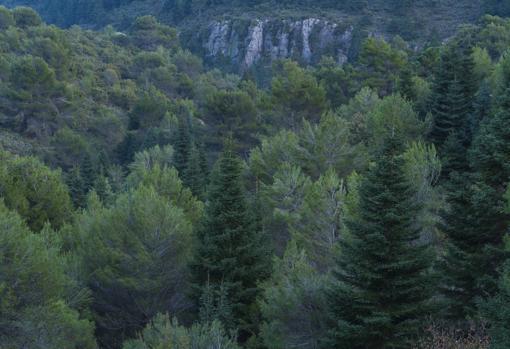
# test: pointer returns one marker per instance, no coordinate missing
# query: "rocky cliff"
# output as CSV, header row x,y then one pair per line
x,y
245,43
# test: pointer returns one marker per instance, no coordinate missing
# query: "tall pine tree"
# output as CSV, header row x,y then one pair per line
x,y
477,220
230,256
453,95
382,282
182,146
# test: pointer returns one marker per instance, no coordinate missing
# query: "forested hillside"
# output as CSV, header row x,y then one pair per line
x,y
238,35
148,200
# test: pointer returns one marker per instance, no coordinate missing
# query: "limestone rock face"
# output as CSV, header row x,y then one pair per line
x,y
245,43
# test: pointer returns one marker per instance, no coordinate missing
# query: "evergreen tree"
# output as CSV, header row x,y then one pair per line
x,y
34,310
461,266
182,147
382,283
406,84
104,189
76,186
194,176
88,172
497,311
478,221
453,95
490,155
482,106
230,253
467,263
135,256
34,191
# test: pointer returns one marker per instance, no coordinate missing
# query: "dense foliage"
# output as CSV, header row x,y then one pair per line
x,y
147,202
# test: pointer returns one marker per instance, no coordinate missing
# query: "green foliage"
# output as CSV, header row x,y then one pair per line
x,y
135,257
33,190
496,310
453,95
131,121
6,18
393,116
293,303
167,184
233,113
320,219
33,309
382,283
381,65
165,333
26,17
329,144
422,170
297,95
149,34
335,81
230,252
476,254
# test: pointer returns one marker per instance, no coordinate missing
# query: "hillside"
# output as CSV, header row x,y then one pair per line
x,y
356,200
237,34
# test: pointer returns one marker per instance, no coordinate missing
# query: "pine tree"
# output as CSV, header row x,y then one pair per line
x,y
182,147
381,287
76,186
194,176
88,172
490,155
406,85
461,265
477,222
497,311
453,95
229,252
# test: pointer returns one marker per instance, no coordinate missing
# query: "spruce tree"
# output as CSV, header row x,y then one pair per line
x,y
461,265
464,263
497,311
182,147
453,95
381,287
230,254
406,84
194,176
88,172
477,221
74,180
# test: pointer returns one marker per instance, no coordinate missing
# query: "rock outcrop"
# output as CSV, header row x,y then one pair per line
x,y
245,43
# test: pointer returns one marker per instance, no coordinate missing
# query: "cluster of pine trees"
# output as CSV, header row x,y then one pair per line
x,y
146,202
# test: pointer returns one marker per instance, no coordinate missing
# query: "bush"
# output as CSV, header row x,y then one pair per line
x,y
164,333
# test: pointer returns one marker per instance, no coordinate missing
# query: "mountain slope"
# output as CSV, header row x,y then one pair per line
x,y
237,34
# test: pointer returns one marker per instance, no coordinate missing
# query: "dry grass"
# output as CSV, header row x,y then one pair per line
x,y
441,337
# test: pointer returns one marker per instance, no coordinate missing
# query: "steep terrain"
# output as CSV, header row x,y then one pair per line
x,y
236,35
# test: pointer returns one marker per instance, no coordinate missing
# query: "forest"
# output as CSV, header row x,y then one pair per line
x,y
148,201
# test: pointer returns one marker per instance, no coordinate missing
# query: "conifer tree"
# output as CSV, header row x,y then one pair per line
x,y
406,85
182,147
76,186
477,220
497,311
194,176
88,172
461,265
230,254
381,287
467,263
453,95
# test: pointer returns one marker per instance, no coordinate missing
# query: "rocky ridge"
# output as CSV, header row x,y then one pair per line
x,y
266,40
